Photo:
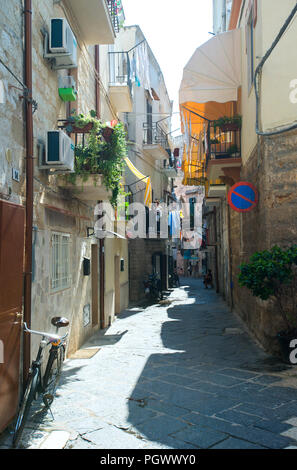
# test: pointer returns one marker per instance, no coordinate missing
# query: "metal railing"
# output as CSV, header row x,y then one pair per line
x,y
119,69
223,144
154,134
113,12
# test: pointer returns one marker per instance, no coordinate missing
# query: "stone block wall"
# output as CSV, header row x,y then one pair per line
x,y
272,169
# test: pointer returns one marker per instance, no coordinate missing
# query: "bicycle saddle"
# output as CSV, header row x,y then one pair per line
x,y
60,322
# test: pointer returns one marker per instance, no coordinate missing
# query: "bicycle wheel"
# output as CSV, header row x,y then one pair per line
x,y
52,374
29,396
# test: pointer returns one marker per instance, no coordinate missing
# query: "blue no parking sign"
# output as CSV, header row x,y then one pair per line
x,y
243,197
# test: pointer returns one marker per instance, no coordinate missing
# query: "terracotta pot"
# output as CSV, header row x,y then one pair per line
x,y
231,126
79,130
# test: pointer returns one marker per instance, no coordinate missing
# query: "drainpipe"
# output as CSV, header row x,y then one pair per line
x,y
101,242
216,250
29,185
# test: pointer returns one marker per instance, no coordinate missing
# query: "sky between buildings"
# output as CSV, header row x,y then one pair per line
x,y
173,29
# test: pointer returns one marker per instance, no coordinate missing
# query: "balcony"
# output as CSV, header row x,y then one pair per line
x,y
90,189
224,156
169,168
120,85
98,20
155,141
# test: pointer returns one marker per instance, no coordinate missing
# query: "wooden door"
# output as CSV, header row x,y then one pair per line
x,y
95,285
117,286
12,220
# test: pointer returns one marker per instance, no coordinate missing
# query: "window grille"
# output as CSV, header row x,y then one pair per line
x,y
60,269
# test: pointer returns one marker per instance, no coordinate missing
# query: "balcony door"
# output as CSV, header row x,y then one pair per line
x,y
149,121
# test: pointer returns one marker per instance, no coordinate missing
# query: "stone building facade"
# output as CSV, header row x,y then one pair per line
x,y
62,215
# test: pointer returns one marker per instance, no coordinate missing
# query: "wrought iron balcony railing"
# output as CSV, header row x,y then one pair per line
x,y
154,134
116,13
223,144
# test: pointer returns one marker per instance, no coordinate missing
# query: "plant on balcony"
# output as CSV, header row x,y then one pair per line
x,y
233,149
227,123
104,153
273,273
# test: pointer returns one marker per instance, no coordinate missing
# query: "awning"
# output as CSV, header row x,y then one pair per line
x,y
141,177
214,71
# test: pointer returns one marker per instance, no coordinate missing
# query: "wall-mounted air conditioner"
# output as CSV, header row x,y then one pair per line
x,y
58,153
60,45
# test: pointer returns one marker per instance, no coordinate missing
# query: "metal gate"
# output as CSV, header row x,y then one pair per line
x,y
12,219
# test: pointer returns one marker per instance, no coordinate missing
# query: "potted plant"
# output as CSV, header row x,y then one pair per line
x,y
228,123
103,152
273,274
233,150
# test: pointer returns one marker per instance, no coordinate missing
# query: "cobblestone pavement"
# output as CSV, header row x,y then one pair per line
x,y
180,375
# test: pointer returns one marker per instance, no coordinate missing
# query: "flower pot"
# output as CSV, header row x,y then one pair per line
x,y
284,339
79,130
230,126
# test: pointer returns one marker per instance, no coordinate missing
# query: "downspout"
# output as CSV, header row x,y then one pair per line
x,y
29,186
101,241
216,249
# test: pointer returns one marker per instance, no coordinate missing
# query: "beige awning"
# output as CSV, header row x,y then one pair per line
x,y
214,71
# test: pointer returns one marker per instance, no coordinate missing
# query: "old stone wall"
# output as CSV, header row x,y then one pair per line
x,y
272,169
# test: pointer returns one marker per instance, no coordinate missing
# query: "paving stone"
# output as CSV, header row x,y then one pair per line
x,y
239,418
159,428
164,407
241,374
173,374
199,436
232,443
114,438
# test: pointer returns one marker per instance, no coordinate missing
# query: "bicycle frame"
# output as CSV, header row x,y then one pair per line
x,y
57,343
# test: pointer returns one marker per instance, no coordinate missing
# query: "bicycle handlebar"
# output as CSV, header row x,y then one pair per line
x,y
50,336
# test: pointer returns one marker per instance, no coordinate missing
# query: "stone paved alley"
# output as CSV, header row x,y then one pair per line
x,y
182,375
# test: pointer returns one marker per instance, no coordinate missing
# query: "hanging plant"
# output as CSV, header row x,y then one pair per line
x,y
227,123
104,153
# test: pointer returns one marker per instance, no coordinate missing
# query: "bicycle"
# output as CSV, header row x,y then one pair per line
x,y
46,384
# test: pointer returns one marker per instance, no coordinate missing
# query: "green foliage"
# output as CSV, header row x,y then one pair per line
x,y
237,119
272,273
99,156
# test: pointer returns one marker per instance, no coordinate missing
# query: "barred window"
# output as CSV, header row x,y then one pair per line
x,y
60,268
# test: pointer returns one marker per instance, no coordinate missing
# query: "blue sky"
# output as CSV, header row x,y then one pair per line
x,y
173,29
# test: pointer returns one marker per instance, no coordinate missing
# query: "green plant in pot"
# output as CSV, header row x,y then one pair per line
x,y
273,274
103,152
228,123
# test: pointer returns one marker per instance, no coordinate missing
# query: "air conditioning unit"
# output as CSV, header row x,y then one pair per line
x,y
60,45
59,151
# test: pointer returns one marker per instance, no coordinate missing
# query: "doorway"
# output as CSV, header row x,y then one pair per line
x,y
95,285
117,286
12,223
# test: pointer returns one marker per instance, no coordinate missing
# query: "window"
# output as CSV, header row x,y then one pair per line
x,y
250,49
60,268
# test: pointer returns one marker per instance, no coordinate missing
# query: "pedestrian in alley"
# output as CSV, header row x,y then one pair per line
x,y
190,269
208,279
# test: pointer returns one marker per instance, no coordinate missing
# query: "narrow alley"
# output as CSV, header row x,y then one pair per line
x,y
178,375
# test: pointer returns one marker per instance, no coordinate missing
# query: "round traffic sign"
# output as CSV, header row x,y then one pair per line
x,y
243,197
